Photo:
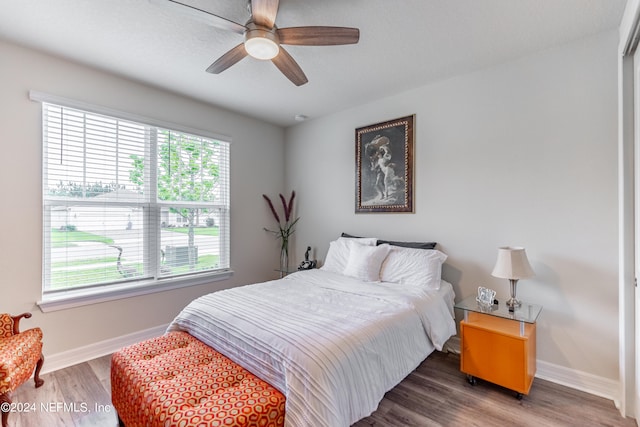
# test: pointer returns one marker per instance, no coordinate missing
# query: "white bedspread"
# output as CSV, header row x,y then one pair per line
x,y
332,345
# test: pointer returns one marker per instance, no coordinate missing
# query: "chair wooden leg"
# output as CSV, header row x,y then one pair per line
x,y
5,406
36,375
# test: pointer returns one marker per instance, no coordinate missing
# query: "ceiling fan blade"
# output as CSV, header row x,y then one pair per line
x,y
201,15
264,12
289,67
318,36
228,59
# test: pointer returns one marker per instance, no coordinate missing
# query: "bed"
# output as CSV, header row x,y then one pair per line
x,y
332,340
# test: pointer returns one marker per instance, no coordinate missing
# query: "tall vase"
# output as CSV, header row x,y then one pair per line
x,y
284,258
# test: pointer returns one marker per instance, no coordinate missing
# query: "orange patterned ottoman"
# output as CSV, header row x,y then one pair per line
x,y
176,380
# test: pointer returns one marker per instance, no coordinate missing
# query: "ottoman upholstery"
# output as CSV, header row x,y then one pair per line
x,y
176,380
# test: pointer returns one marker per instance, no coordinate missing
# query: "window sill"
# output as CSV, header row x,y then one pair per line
x,y
80,297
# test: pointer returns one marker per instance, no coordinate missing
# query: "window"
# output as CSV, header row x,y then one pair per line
x,y
129,205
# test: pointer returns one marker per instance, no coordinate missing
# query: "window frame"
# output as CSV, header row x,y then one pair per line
x,y
74,297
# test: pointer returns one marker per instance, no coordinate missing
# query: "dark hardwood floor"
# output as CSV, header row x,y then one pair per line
x,y
435,394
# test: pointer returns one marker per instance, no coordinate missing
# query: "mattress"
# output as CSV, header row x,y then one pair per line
x,y
333,345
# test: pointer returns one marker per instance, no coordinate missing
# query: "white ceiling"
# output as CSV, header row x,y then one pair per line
x,y
403,44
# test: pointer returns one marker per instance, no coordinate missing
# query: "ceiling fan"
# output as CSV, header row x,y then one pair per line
x,y
264,40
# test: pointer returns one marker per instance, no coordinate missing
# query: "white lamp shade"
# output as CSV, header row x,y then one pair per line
x,y
512,263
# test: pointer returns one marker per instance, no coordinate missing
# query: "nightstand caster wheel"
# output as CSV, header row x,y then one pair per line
x,y
519,396
471,380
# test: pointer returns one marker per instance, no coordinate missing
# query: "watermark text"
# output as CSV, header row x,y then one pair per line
x,y
54,407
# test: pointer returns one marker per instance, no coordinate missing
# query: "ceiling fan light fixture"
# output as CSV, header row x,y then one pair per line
x,y
261,44
262,38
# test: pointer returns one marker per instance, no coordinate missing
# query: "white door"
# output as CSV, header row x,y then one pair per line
x,y
634,400
629,209
635,397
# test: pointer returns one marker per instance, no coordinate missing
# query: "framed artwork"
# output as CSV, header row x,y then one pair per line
x,y
384,166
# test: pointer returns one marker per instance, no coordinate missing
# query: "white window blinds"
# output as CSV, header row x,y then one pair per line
x,y
125,201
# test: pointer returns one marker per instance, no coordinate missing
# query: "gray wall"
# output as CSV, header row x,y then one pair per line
x,y
256,167
524,153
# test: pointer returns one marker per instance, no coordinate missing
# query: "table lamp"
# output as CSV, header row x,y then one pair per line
x,y
512,264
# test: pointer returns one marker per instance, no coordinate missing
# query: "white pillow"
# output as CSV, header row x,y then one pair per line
x,y
338,253
365,261
418,267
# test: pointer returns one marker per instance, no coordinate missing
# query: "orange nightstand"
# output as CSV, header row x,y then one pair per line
x,y
498,345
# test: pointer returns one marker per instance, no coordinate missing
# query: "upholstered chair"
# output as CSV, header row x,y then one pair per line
x,y
20,352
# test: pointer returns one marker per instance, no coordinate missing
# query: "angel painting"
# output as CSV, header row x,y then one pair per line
x,y
384,167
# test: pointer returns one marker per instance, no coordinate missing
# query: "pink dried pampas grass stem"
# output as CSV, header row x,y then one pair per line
x,y
290,207
273,210
284,206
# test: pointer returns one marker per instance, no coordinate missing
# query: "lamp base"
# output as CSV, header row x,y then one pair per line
x,y
513,303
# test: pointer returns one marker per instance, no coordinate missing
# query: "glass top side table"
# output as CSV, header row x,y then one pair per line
x,y
499,345
527,313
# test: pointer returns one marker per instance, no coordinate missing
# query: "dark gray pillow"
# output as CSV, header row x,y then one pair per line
x,y
349,236
414,245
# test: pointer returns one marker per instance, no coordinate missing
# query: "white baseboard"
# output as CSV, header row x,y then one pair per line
x,y
452,345
53,362
578,380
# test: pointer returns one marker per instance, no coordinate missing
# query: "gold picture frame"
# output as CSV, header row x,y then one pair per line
x,y
384,166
